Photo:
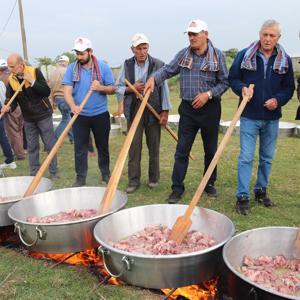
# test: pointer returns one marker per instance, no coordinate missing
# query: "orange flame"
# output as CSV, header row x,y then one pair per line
x,y
90,257
195,292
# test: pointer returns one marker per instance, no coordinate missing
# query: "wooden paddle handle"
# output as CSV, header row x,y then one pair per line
x,y
34,183
116,174
156,115
216,157
12,98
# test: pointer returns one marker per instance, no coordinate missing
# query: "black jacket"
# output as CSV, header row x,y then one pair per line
x,y
33,101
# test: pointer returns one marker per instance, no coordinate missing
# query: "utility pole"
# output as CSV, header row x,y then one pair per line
x,y
25,54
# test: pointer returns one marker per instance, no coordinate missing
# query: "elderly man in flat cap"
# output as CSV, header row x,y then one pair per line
x,y
137,70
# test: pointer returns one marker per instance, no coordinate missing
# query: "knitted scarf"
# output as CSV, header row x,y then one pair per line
x,y
210,61
281,63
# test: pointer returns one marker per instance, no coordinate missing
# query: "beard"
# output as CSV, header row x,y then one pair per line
x,y
84,62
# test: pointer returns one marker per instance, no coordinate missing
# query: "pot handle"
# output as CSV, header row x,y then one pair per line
x,y
40,234
126,261
253,294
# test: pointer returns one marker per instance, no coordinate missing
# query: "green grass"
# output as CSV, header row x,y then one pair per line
x,y
26,278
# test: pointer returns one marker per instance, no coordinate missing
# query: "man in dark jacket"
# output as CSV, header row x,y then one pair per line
x,y
265,64
137,70
36,109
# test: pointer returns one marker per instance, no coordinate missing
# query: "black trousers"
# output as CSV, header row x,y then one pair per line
x,y
191,120
100,126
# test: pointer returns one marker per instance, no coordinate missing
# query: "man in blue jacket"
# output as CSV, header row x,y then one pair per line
x,y
265,64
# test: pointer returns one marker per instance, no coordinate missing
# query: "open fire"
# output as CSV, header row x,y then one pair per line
x,y
89,258
207,291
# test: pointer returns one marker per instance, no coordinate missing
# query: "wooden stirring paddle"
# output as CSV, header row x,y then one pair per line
x,y
183,223
35,181
296,246
116,174
156,115
12,98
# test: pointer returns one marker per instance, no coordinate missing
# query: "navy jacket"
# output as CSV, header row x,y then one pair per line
x,y
267,86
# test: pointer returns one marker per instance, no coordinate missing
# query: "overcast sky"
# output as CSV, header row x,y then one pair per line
x,y
51,26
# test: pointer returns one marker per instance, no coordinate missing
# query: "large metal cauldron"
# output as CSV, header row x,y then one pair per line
x,y
270,241
159,271
65,237
17,186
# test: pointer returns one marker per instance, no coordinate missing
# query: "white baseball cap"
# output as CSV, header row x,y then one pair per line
x,y
63,58
81,44
197,26
3,64
139,38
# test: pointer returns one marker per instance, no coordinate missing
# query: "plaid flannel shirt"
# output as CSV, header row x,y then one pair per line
x,y
194,81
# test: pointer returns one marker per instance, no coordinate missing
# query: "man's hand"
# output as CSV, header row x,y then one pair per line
x,y
139,86
271,104
163,117
97,86
246,92
5,109
28,77
76,110
200,100
150,84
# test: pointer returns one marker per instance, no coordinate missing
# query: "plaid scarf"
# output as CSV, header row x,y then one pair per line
x,y
281,63
210,61
95,70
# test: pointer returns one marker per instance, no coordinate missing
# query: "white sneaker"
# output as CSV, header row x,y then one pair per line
x,y
11,165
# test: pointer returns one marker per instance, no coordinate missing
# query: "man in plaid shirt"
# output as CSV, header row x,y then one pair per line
x,y
203,79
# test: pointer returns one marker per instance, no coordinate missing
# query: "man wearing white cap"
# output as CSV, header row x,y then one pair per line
x,y
57,96
203,79
137,70
89,73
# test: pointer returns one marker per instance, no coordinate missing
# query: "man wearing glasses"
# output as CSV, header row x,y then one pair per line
x,y
89,73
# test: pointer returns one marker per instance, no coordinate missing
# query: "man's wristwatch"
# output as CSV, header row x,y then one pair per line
x,y
210,96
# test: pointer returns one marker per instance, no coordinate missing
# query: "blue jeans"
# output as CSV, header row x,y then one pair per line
x,y
250,129
65,118
7,151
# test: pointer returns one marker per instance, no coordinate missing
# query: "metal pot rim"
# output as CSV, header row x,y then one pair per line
x,y
21,198
240,275
169,256
62,223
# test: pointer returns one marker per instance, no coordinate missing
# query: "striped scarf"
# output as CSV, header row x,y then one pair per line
x,y
281,63
95,70
210,61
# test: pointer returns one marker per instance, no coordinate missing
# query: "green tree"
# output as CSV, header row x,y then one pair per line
x,y
232,52
44,61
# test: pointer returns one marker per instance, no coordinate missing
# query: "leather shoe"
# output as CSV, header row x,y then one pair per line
x,y
174,197
211,191
105,178
131,189
80,181
152,185
242,205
